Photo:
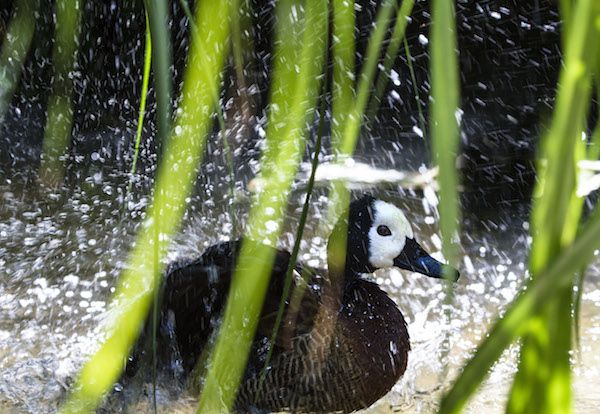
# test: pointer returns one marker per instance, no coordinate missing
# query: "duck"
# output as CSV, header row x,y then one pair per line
x,y
341,344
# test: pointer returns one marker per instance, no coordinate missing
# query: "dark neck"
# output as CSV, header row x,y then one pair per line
x,y
347,251
345,265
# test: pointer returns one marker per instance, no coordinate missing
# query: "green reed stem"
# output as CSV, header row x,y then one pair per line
x,y
299,234
294,89
566,10
15,47
390,56
188,13
444,123
413,79
238,61
234,5
350,128
593,153
236,46
175,178
514,322
343,50
445,91
158,16
155,314
144,95
365,82
543,381
59,115
577,296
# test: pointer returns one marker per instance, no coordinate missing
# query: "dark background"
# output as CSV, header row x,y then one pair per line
x,y
509,61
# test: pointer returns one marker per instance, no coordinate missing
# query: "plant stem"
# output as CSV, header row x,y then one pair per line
x,y
145,81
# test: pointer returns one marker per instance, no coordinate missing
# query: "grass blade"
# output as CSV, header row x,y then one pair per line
x,y
158,17
157,23
514,322
350,123
59,115
445,91
144,95
593,152
413,79
543,381
294,92
444,123
299,232
137,285
15,48
365,82
390,56
343,50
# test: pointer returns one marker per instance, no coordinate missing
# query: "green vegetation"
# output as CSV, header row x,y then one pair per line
x,y
293,99
542,316
144,95
444,124
14,50
57,133
158,15
349,107
176,176
391,54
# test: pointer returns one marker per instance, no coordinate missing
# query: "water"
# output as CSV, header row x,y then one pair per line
x,y
62,250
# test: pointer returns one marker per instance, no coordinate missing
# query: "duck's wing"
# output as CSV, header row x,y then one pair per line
x,y
192,302
191,299
299,308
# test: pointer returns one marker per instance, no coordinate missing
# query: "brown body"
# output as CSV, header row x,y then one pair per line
x,y
342,343
341,346
352,368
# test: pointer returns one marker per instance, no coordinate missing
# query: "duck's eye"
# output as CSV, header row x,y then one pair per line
x,y
384,230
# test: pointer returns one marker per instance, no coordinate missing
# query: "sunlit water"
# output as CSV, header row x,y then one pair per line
x,y
61,252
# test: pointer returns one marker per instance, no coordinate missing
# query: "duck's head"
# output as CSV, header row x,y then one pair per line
x,y
379,236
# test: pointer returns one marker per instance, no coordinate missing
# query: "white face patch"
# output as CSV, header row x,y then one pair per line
x,y
383,249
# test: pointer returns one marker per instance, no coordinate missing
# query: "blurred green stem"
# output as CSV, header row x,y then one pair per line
x,y
343,50
59,115
543,381
158,16
235,9
413,79
444,119
445,124
188,13
365,81
350,122
15,47
299,233
175,179
294,91
514,322
390,56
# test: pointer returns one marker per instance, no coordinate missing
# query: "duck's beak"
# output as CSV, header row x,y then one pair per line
x,y
416,259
